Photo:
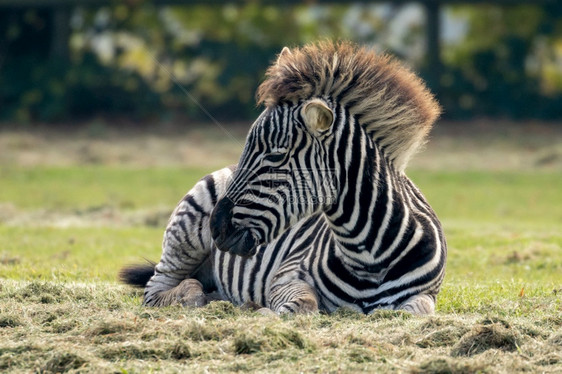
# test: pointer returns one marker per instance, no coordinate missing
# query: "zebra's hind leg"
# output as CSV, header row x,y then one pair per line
x,y
295,296
421,304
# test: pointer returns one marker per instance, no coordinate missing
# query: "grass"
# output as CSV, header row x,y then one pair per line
x,y
65,232
99,327
506,197
470,195
74,253
87,188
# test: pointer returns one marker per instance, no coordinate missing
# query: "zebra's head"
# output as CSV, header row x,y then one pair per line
x,y
326,103
284,175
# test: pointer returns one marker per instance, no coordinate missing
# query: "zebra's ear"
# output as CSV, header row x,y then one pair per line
x,y
284,53
317,115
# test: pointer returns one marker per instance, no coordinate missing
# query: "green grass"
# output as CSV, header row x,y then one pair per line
x,y
74,253
90,187
61,310
499,198
504,222
472,196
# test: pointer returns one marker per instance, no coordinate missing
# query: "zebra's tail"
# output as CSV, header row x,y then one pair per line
x,y
137,275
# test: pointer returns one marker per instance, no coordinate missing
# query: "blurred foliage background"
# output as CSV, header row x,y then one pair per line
x,y
153,62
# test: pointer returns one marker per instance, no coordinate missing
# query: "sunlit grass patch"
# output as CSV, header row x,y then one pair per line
x,y
110,331
484,337
498,198
75,253
81,189
62,244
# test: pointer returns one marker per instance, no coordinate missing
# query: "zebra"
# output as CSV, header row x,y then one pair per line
x,y
318,214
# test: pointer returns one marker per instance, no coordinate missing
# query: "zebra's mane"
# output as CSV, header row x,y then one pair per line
x,y
391,103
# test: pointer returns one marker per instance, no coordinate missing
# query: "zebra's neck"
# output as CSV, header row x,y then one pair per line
x,y
369,216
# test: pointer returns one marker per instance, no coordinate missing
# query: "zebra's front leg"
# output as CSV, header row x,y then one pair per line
x,y
419,304
174,287
185,270
188,293
295,296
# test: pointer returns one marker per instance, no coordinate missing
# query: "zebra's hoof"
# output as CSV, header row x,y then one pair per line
x,y
190,294
250,305
302,305
267,312
420,305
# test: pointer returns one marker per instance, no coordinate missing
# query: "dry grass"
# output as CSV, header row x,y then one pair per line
x,y
500,310
52,327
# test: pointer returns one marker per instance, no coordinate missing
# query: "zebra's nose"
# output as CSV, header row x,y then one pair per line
x,y
227,237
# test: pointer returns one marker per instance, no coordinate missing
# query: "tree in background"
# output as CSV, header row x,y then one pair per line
x,y
509,63
147,61
214,56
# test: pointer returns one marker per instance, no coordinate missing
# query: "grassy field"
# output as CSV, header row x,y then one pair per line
x,y
67,226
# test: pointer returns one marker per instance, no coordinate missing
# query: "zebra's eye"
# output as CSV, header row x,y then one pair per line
x,y
276,156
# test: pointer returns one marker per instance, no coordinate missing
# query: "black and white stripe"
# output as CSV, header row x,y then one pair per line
x,y
313,217
373,243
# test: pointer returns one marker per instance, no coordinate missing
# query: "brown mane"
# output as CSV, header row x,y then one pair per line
x,y
391,103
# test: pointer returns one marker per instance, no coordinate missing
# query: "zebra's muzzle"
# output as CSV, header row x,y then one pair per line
x,y
227,237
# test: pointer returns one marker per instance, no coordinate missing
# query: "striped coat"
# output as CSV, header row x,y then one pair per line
x,y
319,213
